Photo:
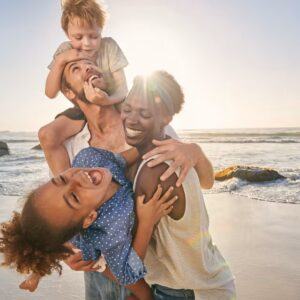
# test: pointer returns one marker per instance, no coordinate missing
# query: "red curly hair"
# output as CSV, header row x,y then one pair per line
x,y
30,244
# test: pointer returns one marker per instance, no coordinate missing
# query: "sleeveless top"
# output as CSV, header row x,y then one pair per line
x,y
181,254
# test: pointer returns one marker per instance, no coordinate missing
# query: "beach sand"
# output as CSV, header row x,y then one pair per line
x,y
260,240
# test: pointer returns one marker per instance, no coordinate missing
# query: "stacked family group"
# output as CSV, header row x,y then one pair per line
x,y
125,202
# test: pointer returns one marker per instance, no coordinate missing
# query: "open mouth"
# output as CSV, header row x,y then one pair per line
x,y
94,176
132,133
93,75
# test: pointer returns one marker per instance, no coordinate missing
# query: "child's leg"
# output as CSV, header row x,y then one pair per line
x,y
52,137
31,282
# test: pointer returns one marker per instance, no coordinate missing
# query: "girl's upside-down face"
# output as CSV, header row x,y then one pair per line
x,y
74,195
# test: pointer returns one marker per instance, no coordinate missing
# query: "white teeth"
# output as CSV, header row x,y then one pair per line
x,y
132,132
89,177
93,77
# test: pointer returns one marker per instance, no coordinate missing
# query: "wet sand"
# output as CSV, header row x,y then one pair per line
x,y
260,240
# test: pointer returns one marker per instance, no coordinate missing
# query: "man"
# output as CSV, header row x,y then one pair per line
x,y
104,129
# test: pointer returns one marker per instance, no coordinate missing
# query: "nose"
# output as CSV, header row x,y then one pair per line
x,y
132,118
86,41
74,177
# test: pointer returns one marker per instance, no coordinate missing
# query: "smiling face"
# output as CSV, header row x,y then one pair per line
x,y
84,36
78,72
74,195
142,120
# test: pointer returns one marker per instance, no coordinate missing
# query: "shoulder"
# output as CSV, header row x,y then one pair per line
x,y
77,142
64,46
148,180
108,41
108,45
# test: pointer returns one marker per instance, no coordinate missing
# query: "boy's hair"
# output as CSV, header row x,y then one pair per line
x,y
30,244
88,11
159,87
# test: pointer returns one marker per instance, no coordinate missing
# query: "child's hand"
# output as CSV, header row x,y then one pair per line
x,y
158,206
73,55
95,95
31,283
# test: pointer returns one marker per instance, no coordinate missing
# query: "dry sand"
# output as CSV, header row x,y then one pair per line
x,y
260,240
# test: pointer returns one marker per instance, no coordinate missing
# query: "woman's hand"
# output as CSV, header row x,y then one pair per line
x,y
159,205
185,156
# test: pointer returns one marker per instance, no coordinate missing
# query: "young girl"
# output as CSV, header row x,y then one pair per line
x,y
93,209
82,21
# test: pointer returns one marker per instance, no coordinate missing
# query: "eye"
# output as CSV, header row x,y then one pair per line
x,y
75,197
63,179
145,115
75,69
126,109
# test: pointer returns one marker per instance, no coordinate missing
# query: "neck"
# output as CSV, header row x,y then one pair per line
x,y
100,119
144,148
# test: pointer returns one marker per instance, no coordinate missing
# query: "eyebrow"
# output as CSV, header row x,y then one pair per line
x,y
54,181
71,65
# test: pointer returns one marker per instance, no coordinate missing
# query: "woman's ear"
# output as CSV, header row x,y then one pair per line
x,y
89,219
167,120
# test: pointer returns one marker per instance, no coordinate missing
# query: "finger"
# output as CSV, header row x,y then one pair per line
x,y
167,194
160,159
140,199
157,193
164,142
170,203
182,176
168,210
155,151
90,82
75,257
88,268
83,265
171,170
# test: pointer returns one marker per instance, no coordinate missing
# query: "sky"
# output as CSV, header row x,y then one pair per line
x,y
237,61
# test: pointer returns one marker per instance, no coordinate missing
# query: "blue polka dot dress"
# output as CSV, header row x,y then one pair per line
x,y
110,234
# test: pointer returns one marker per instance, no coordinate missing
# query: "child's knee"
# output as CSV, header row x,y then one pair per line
x,y
48,137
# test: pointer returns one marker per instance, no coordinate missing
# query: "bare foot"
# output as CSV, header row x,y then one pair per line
x,y
31,283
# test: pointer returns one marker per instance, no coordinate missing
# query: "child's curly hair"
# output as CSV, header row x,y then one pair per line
x,y
30,244
88,11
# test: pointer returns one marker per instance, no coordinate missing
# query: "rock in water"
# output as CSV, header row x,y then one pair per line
x,y
252,174
3,149
37,147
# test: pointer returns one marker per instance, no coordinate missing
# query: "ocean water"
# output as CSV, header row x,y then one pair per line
x,y
277,148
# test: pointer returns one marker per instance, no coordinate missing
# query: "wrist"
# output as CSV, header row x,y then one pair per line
x,y
61,61
145,227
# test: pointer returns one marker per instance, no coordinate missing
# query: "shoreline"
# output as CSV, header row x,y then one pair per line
x,y
260,241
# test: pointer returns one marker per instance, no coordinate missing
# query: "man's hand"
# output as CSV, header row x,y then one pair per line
x,y
76,263
185,156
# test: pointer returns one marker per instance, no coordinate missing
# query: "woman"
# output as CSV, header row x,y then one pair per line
x,y
181,260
